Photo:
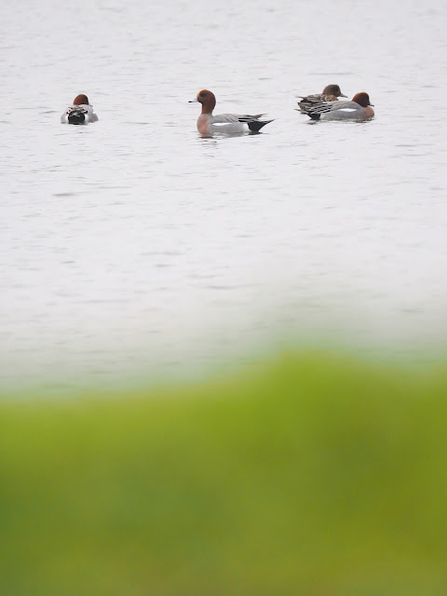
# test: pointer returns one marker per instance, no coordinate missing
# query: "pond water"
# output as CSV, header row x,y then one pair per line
x,y
134,248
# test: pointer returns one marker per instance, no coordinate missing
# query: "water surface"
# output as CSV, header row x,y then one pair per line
x,y
133,247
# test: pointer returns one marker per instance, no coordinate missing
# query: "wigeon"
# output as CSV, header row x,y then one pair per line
x,y
81,112
207,123
330,93
359,108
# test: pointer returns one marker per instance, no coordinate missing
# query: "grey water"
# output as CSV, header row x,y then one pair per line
x,y
132,248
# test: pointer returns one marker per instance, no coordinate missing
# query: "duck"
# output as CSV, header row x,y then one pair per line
x,y
330,93
359,108
208,123
81,112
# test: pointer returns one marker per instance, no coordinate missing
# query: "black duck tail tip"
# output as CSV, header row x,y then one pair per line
x,y
314,116
256,125
76,118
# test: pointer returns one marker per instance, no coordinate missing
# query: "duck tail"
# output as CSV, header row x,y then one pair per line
x,y
76,117
256,125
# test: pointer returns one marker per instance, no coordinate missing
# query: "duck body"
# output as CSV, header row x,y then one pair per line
x,y
359,108
81,112
208,123
330,93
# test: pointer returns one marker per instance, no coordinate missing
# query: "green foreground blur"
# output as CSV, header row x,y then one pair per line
x,y
309,475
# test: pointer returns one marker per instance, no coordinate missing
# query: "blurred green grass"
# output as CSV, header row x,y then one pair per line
x,y
311,475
